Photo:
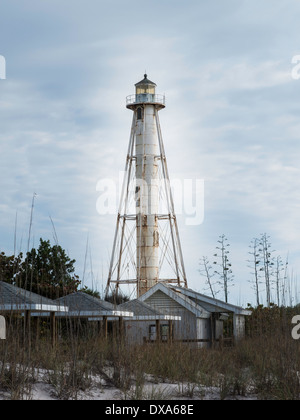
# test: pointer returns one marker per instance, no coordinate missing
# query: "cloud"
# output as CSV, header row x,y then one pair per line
x,y
232,117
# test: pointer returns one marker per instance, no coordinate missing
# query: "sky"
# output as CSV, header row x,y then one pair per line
x,y
229,71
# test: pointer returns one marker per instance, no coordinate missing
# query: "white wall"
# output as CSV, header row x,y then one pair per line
x,y
203,331
238,327
135,331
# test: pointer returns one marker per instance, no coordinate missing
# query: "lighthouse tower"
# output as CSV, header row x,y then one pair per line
x,y
146,247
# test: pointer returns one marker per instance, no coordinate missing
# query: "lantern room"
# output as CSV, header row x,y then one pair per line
x,y
145,94
145,86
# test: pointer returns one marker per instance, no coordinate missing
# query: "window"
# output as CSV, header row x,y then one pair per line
x,y
140,113
164,332
152,333
145,89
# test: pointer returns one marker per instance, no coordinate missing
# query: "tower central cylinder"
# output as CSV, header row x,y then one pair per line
x,y
147,197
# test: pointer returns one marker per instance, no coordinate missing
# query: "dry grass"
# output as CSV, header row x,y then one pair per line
x,y
266,364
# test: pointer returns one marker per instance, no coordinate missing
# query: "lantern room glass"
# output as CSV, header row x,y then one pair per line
x,y
141,89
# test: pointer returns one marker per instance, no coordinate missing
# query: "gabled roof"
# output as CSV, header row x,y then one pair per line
x,y
142,311
139,308
200,305
209,303
182,300
83,301
13,298
81,304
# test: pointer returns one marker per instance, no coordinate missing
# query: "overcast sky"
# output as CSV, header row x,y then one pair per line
x,y
232,119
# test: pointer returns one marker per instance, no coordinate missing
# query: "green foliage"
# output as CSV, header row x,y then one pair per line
x,y
116,298
266,320
49,272
90,292
10,267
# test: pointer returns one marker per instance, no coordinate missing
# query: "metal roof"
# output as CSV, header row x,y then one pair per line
x,y
144,312
145,81
83,301
209,303
81,304
13,298
182,300
139,308
201,305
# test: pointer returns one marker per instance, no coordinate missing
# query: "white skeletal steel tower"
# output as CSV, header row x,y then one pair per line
x,y
146,247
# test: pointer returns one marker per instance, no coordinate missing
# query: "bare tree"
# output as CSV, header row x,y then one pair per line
x,y
278,279
267,263
206,271
255,264
281,274
225,273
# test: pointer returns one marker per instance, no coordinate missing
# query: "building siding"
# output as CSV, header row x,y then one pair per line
x,y
186,329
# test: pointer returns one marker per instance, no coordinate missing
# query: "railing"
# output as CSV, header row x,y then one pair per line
x,y
145,98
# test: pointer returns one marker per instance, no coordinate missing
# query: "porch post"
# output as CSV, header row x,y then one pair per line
x,y
105,330
158,330
53,328
170,331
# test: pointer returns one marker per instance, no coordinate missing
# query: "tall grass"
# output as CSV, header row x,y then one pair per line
x,y
265,365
